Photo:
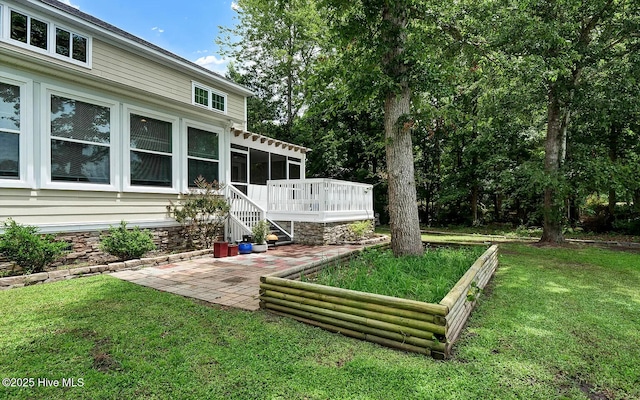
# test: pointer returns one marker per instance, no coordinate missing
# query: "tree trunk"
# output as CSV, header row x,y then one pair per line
x,y
552,227
403,206
474,204
614,134
497,207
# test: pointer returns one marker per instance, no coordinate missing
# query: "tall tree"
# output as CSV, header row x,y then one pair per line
x,y
275,43
565,41
381,49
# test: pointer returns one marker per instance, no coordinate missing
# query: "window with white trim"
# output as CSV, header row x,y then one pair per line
x,y
80,141
10,129
29,30
202,155
151,151
71,44
45,36
209,98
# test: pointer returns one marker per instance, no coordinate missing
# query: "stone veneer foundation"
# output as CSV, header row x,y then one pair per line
x,y
316,233
85,246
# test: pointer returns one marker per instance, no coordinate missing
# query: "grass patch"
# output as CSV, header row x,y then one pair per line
x,y
426,278
554,323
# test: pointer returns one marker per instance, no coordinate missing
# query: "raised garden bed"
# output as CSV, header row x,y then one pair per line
x,y
410,325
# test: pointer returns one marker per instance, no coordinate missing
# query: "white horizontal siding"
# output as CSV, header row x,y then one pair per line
x,y
65,207
121,66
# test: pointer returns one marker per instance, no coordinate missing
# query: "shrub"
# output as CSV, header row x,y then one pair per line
x,y
260,231
32,251
202,212
360,229
127,243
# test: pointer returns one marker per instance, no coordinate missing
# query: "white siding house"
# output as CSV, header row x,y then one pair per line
x,y
99,126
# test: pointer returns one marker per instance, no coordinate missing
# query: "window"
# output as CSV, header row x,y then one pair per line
x,y
69,44
80,141
259,167
294,171
209,98
239,170
278,166
201,96
217,101
44,36
9,131
151,151
29,30
202,155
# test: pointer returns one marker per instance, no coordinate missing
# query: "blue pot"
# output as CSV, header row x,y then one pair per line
x,y
245,248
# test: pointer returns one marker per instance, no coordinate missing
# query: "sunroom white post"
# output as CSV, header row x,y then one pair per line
x,y
225,154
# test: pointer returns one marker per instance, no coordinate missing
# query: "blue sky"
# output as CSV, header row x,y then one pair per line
x,y
187,28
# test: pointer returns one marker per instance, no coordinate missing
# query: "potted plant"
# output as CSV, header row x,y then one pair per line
x,y
260,232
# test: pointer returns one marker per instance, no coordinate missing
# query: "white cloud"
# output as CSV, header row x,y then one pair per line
x,y
235,6
201,51
68,2
155,28
213,63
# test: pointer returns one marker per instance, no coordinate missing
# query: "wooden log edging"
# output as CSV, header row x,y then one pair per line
x,y
463,297
408,325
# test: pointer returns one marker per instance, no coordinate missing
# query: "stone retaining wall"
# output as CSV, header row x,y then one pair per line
x,y
62,274
84,246
314,233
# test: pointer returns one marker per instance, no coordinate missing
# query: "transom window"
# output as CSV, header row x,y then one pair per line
x,y
151,151
9,131
29,30
80,141
44,36
209,98
69,44
202,155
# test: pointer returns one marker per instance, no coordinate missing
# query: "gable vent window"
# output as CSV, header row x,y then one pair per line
x,y
29,30
209,98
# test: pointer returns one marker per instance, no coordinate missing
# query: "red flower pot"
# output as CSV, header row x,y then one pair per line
x,y
220,249
233,250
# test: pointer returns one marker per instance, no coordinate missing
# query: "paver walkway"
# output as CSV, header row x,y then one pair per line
x,y
230,281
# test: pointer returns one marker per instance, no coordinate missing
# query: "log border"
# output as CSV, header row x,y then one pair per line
x,y
408,325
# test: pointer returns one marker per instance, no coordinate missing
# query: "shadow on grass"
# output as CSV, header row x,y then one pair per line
x,y
552,324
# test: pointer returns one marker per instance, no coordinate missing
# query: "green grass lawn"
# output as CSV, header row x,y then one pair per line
x,y
427,278
554,323
510,233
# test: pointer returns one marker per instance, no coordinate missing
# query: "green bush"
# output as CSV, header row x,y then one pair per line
x,y
260,231
360,229
126,243
32,251
202,212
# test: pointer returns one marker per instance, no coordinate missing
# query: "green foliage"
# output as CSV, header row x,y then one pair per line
x,y
127,244
425,278
360,229
202,212
260,231
564,301
32,251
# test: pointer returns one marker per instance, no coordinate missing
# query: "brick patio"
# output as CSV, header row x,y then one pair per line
x,y
230,281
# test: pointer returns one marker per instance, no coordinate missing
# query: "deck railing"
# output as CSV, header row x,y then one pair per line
x,y
319,200
244,214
